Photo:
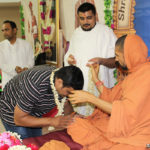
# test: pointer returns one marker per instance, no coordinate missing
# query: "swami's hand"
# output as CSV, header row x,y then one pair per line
x,y
108,62
61,122
97,60
79,96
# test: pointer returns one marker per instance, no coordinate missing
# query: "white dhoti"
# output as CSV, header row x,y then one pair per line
x,y
84,45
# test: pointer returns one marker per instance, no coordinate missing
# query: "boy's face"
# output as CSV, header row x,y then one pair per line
x,y
62,91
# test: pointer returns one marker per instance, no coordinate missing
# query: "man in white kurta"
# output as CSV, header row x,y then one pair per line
x,y
14,53
85,45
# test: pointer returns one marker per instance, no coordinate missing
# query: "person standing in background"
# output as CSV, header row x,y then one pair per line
x,y
95,42
16,55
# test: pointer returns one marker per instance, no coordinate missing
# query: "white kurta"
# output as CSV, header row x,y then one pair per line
x,y
84,45
11,55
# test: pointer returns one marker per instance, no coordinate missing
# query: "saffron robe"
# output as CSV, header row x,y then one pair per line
x,y
128,127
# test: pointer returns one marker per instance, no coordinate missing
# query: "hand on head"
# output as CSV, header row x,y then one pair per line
x,y
79,96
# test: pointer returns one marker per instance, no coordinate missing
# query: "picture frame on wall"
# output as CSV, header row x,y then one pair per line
x,y
30,8
123,17
48,27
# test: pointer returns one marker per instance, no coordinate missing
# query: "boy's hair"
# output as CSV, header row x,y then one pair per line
x,y
72,77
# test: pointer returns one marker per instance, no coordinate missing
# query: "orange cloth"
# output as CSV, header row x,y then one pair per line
x,y
91,132
54,145
128,128
130,117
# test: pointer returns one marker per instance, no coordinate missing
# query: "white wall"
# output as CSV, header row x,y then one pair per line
x,y
67,18
9,1
10,13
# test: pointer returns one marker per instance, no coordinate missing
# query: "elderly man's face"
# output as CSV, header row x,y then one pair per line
x,y
120,61
87,20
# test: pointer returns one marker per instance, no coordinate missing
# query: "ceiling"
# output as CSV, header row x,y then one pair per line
x,y
9,3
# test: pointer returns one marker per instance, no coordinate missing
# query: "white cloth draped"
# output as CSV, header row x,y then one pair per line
x,y
84,45
11,55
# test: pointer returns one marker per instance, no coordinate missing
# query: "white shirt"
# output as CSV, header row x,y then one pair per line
x,y
84,45
11,55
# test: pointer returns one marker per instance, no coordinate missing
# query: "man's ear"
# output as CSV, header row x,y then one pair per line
x,y
15,30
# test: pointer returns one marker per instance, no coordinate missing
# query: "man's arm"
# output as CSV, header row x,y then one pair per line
x,y
22,118
108,62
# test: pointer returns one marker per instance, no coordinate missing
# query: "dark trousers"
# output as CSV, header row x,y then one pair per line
x,y
24,132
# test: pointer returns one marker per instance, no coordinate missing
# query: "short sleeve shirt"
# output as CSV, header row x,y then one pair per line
x,y
31,91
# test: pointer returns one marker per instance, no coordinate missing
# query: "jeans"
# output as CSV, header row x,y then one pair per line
x,y
24,132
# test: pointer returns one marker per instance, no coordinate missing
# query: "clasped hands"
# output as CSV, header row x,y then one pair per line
x,y
19,69
62,122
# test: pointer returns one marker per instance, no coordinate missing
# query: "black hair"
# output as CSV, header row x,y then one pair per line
x,y
86,7
40,59
120,42
12,24
72,76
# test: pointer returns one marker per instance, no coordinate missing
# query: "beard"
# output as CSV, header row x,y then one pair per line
x,y
87,29
9,38
120,67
